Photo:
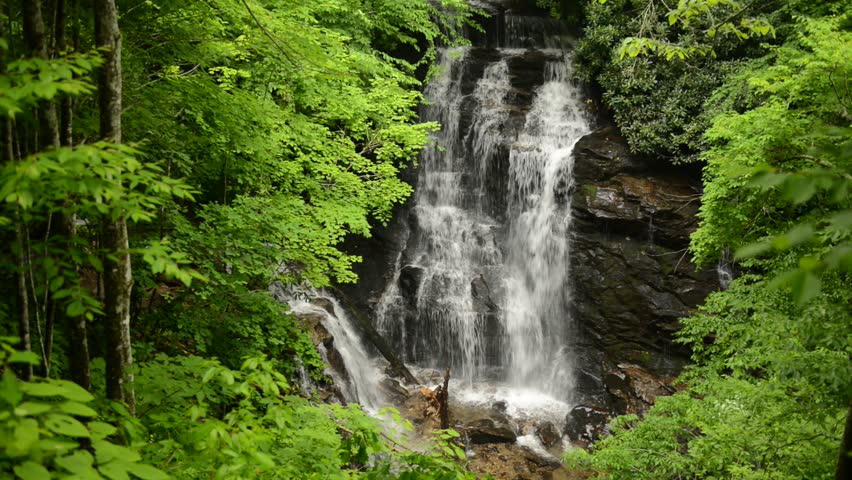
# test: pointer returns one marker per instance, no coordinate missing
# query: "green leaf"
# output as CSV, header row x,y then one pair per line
x,y
74,392
80,463
100,430
799,189
753,250
26,434
116,470
56,283
65,425
106,452
147,472
78,409
75,309
32,408
31,471
10,391
25,357
796,236
42,389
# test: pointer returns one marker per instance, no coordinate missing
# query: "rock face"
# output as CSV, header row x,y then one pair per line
x,y
633,279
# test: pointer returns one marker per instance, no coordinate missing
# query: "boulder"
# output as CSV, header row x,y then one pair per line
x,y
487,430
325,304
548,434
586,423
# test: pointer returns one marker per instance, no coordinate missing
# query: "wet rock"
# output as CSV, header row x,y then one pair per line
x,y
633,279
586,423
394,391
325,304
487,430
548,434
603,154
514,462
481,294
317,331
634,389
335,362
410,278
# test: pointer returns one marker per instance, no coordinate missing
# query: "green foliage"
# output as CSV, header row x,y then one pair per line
x,y
49,430
655,76
98,183
231,327
30,80
295,121
657,63
769,391
767,397
785,146
206,420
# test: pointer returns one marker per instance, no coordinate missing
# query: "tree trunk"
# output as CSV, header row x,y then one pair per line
x,y
444,402
65,132
844,463
118,279
77,328
23,299
35,39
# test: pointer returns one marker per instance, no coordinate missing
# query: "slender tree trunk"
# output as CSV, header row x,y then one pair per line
x,y
77,327
23,297
444,402
844,463
35,39
118,279
65,118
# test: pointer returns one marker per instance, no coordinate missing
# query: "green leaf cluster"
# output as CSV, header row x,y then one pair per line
x,y
49,430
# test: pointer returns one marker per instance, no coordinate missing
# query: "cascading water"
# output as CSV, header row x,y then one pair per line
x,y
360,380
483,284
537,266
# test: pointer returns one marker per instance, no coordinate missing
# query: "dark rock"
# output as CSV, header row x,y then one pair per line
x,y
410,277
325,304
603,154
548,434
585,423
487,430
481,294
635,389
633,278
394,391
316,329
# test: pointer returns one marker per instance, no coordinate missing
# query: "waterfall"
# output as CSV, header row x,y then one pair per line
x,y
359,375
483,285
538,294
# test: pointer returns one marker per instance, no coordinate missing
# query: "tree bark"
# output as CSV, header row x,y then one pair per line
x,y
77,327
118,280
23,298
844,463
444,402
35,39
66,112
